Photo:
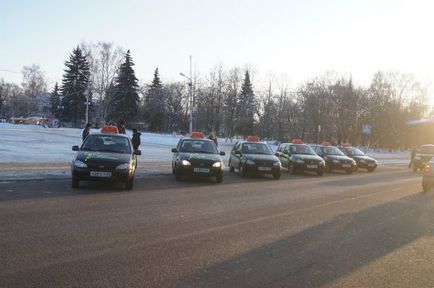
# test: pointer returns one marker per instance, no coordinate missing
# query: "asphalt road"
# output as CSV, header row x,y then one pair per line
x,y
361,230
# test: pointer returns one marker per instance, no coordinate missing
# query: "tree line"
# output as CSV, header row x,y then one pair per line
x,y
226,102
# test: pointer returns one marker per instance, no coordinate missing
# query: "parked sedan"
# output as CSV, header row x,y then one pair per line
x,y
251,157
197,156
105,157
300,157
362,161
334,158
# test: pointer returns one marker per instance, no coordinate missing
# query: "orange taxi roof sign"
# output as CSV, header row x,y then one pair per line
x,y
197,135
109,129
326,143
297,141
253,138
346,145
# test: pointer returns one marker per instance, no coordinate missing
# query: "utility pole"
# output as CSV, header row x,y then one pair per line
x,y
190,95
87,104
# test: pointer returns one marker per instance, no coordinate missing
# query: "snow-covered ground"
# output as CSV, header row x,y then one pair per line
x,y
24,148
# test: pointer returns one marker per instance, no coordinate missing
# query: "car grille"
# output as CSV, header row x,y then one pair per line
x,y
264,163
201,163
311,162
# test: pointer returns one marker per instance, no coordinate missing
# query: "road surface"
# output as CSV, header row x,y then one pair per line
x,y
360,230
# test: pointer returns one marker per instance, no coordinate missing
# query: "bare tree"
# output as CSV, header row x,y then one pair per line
x,y
34,82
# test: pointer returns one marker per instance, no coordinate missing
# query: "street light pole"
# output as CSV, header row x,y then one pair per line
x,y
190,95
87,105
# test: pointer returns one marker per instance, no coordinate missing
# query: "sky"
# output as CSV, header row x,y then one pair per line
x,y
291,41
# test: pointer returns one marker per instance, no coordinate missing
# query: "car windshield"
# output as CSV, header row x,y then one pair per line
x,y
427,149
355,152
198,146
256,148
332,151
107,143
301,149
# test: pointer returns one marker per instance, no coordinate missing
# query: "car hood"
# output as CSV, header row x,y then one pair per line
x,y
95,157
337,157
200,156
260,157
366,158
306,157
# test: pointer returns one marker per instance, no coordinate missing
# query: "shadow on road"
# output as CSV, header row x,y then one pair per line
x,y
322,254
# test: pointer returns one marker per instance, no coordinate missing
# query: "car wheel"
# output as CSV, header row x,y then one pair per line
x,y
219,178
129,184
349,171
276,176
242,171
75,183
320,172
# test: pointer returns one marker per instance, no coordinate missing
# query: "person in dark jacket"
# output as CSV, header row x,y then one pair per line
x,y
412,156
213,138
121,128
86,131
136,139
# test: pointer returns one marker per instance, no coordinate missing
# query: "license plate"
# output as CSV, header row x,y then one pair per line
x,y
312,166
346,165
265,169
201,170
100,174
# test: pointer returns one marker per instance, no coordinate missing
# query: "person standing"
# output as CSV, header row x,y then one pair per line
x,y
86,131
412,156
213,138
136,139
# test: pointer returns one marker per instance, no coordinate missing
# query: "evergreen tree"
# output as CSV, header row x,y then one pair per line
x,y
155,108
74,85
246,108
125,100
55,102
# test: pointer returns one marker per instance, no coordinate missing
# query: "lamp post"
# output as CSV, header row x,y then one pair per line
x,y
190,96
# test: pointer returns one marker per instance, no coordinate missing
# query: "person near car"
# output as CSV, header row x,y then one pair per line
x,y
412,156
135,140
86,131
213,138
121,128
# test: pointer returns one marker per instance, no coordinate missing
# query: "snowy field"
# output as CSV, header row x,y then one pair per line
x,y
36,144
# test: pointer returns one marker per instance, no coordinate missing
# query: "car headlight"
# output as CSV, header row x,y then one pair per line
x,y
250,162
336,161
124,166
300,161
80,164
185,163
277,164
217,165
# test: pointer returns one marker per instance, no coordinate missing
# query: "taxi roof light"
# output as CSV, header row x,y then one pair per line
x,y
297,141
252,139
326,143
109,129
346,145
198,135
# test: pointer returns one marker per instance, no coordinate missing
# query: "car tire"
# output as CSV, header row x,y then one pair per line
x,y
75,182
276,176
320,172
349,171
219,178
129,184
242,171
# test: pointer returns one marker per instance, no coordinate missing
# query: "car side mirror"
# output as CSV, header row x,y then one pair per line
x,y
75,148
222,153
138,152
175,150
277,154
238,153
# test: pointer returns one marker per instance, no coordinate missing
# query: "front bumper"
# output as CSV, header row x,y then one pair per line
x,y
259,170
116,175
199,171
340,166
366,165
307,167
